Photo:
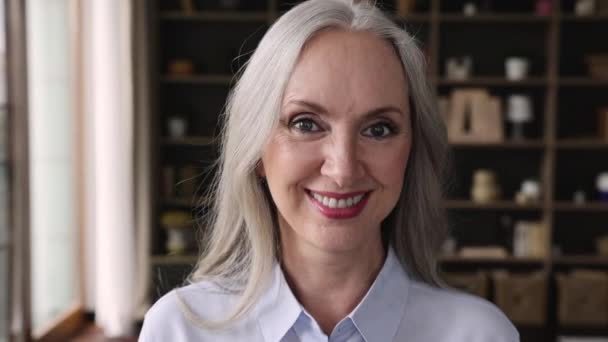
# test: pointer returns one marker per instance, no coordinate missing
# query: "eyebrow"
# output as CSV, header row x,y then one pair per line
x,y
321,110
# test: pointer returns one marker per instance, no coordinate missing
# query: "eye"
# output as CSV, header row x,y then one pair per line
x,y
379,130
305,125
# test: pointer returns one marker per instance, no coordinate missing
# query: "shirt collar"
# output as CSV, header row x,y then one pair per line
x,y
376,317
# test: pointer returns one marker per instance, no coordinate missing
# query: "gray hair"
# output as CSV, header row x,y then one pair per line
x,y
241,244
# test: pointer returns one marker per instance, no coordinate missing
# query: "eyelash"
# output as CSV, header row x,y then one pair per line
x,y
392,129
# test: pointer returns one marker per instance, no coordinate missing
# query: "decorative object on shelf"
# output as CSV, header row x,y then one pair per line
x,y
529,192
583,295
179,226
186,186
519,112
188,7
485,188
168,181
522,297
177,126
405,7
473,116
459,68
602,186
516,68
602,118
543,7
584,7
530,240
597,65
469,9
449,246
181,67
476,283
601,245
230,4
579,197
601,7
484,252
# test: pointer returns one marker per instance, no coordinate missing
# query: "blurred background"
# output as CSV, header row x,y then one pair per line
x,y
108,109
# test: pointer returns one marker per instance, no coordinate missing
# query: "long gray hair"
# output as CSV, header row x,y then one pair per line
x,y
241,245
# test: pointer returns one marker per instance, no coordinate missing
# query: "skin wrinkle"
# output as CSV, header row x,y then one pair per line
x,y
329,263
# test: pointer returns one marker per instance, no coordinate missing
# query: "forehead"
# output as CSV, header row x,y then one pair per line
x,y
348,70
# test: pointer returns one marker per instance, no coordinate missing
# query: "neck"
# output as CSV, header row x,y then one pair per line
x,y
330,284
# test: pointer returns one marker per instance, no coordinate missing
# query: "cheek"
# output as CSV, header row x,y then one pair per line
x,y
288,161
387,164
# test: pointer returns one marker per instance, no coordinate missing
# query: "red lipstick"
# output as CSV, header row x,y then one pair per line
x,y
339,213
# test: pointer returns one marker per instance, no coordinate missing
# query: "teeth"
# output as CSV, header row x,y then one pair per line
x,y
337,203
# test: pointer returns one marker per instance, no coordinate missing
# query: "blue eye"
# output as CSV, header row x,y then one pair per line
x,y
305,125
379,130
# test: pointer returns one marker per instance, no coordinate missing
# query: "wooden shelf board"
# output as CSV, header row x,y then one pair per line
x,y
189,141
582,18
589,206
501,261
180,201
185,259
413,18
524,144
497,205
576,260
198,79
583,81
215,16
494,17
494,81
581,143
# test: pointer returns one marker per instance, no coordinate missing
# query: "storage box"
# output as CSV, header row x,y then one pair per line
x,y
598,66
522,297
583,298
473,283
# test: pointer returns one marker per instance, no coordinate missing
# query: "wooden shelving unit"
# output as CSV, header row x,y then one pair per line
x,y
553,152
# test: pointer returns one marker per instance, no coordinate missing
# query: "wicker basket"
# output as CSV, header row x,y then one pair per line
x,y
473,283
583,298
522,297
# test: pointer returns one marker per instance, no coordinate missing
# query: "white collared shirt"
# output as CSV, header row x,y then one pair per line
x,y
397,307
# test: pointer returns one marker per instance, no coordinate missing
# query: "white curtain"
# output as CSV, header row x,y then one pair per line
x,y
109,101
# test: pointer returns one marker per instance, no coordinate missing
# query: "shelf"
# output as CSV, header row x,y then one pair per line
x,y
227,16
588,206
524,144
583,81
502,261
223,80
580,18
413,18
582,144
174,259
497,205
494,17
581,260
180,202
189,141
495,81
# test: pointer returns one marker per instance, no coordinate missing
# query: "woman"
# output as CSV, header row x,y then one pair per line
x,y
327,215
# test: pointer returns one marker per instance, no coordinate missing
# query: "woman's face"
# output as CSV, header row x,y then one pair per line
x,y
335,164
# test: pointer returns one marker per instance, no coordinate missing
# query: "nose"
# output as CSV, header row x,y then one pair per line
x,y
342,162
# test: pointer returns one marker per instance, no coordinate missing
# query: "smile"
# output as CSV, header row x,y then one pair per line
x,y
339,206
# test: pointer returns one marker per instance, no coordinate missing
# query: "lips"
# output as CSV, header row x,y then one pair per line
x,y
339,206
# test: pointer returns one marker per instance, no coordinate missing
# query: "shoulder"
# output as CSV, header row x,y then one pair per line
x,y
465,317
174,316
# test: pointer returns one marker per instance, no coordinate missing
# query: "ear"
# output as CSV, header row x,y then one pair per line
x,y
259,169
